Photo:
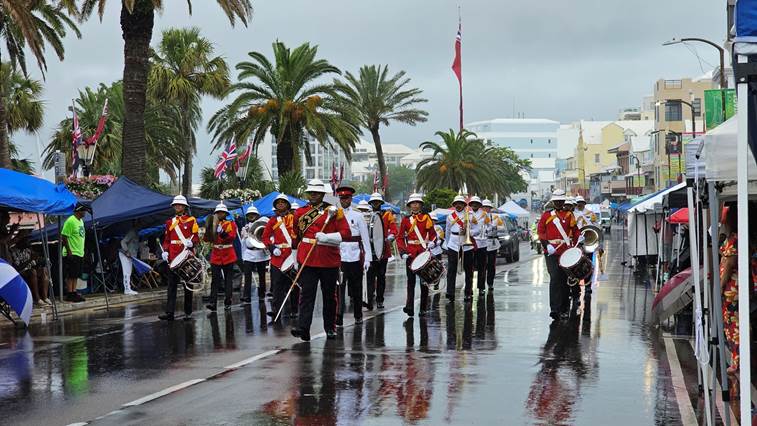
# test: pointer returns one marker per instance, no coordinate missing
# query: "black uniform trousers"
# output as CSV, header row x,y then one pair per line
x,y
452,261
173,283
309,279
280,284
558,286
377,281
352,283
480,258
491,265
249,268
228,273
411,280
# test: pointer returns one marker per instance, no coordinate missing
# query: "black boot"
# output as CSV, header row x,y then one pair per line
x,y
168,316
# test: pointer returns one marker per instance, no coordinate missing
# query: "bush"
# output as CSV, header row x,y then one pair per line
x,y
440,198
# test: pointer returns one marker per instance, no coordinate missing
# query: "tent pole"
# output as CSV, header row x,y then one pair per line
x,y
743,156
100,263
718,339
707,319
46,253
60,263
646,245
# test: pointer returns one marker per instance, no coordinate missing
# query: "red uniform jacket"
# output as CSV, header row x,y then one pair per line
x,y
171,241
549,234
309,222
223,246
273,236
408,241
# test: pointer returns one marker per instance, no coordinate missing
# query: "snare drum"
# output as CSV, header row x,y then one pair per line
x,y
189,269
576,264
429,268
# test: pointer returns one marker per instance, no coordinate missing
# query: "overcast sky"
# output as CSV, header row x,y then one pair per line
x,y
556,59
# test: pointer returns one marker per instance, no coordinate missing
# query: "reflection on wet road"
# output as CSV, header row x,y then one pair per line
x,y
499,360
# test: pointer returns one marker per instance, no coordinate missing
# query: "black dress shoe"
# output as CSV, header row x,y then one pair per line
x,y
468,299
369,306
358,321
331,335
165,317
246,300
564,315
212,308
303,335
380,306
481,292
408,311
423,313
227,308
450,297
187,317
554,315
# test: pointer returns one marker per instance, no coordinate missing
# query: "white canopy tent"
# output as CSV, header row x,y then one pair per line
x,y
720,153
513,208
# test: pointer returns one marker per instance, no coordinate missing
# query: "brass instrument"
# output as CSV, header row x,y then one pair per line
x,y
254,239
592,235
468,240
210,228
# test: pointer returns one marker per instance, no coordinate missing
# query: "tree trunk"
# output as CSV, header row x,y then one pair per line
x,y
137,33
379,154
5,149
186,181
284,157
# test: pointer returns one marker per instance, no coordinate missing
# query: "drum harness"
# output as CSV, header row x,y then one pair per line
x,y
180,234
558,225
421,240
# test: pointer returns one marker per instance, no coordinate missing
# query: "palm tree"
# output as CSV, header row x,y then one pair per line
x,y
30,25
286,99
165,146
381,99
24,110
462,160
137,20
184,69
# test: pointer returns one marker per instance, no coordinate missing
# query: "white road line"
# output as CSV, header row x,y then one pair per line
x,y
164,392
251,359
507,276
688,417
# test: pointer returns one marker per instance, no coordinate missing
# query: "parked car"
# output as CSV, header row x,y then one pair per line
x,y
509,241
605,218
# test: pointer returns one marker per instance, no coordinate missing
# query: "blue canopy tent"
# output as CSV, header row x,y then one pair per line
x,y
265,204
22,192
360,197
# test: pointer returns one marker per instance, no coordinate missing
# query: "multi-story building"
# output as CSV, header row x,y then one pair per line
x,y
322,159
678,123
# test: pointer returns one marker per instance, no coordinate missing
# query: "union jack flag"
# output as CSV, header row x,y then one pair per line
x,y
227,157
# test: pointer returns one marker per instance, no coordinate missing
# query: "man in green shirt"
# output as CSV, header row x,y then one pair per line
x,y
72,241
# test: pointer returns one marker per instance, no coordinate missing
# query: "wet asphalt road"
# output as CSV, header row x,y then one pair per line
x,y
499,360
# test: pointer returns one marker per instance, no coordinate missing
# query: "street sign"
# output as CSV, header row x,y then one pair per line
x,y
60,166
713,106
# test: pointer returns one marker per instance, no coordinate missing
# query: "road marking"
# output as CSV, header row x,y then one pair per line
x,y
251,359
507,276
688,417
164,392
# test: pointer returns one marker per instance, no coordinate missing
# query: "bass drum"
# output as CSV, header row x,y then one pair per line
x,y
576,265
376,234
190,269
428,268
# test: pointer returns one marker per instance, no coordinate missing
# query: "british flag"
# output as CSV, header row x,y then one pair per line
x,y
227,157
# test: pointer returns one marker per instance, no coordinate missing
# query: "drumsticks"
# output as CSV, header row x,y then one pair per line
x,y
297,277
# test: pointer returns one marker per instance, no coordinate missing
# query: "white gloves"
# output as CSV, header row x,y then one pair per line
x,y
551,249
219,229
164,255
366,265
331,239
390,238
276,252
581,238
321,237
294,256
405,256
188,244
431,244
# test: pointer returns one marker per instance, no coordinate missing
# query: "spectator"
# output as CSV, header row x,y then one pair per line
x,y
25,263
129,250
6,234
72,243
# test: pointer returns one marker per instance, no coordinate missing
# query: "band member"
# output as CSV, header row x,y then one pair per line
x,y
181,234
416,236
455,233
583,215
356,256
479,222
382,230
557,232
281,238
222,258
254,260
570,204
495,224
437,250
321,229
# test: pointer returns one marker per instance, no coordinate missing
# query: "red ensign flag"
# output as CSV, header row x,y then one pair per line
x,y
457,66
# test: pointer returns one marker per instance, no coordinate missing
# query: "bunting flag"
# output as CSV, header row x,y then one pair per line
x,y
457,65
227,156
100,126
333,178
375,181
76,140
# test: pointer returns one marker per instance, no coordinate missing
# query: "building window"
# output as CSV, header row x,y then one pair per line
x,y
532,141
673,111
549,155
673,84
549,140
310,173
596,158
532,155
697,104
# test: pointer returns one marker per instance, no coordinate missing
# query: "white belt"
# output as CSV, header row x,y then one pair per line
x,y
176,242
309,240
222,246
282,246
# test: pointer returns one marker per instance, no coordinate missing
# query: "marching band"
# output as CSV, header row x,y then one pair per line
x,y
336,246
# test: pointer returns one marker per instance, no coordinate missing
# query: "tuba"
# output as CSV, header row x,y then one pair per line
x,y
254,238
210,228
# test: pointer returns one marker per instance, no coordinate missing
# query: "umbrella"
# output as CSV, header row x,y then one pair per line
x,y
15,292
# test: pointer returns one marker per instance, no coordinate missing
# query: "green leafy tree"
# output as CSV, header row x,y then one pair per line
x,y
439,197
183,70
286,98
462,160
137,20
30,26
401,182
292,183
380,99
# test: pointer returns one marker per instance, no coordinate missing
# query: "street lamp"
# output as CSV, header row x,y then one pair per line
x,y
721,51
86,153
242,173
638,170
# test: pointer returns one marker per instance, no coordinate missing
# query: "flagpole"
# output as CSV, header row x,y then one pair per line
x,y
460,30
